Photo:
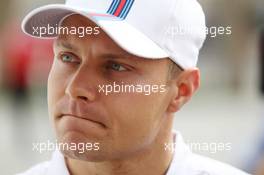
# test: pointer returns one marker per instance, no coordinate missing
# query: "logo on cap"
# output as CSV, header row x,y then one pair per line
x,y
120,8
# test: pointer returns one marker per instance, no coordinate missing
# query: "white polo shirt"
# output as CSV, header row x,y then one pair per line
x,y
184,163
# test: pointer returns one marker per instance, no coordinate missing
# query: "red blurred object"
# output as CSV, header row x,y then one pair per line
x,y
26,60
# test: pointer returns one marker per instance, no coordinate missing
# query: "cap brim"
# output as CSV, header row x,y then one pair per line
x,y
125,35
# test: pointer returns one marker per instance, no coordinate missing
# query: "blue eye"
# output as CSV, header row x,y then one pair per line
x,y
117,67
68,58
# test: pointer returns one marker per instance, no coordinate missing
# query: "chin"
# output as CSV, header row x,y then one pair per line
x,y
90,156
72,137
79,147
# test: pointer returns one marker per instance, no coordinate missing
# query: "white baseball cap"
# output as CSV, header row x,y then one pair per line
x,y
151,29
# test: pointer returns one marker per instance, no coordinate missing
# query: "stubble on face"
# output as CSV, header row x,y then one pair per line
x,y
134,120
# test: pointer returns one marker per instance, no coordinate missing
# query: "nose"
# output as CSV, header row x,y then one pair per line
x,y
81,86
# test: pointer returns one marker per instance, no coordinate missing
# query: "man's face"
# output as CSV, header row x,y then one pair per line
x,y
122,123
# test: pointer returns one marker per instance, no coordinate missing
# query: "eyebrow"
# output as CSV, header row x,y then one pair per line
x,y
65,44
121,56
115,56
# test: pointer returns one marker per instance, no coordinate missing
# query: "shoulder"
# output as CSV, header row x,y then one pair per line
x,y
201,165
185,162
56,166
39,169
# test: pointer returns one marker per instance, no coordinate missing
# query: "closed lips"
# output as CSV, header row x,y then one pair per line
x,y
84,118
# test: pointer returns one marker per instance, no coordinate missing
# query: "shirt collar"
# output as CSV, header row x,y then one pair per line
x,y
180,154
58,165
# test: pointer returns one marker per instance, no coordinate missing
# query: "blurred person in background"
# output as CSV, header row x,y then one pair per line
x,y
259,158
4,8
17,58
26,62
261,55
258,161
241,53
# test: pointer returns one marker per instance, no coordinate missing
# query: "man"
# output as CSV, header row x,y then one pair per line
x,y
117,88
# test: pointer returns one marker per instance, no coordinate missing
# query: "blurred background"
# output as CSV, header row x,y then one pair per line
x,y
228,108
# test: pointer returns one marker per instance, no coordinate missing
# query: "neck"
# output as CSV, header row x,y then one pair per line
x,y
152,161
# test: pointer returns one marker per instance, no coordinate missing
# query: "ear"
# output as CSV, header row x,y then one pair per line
x,y
185,85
